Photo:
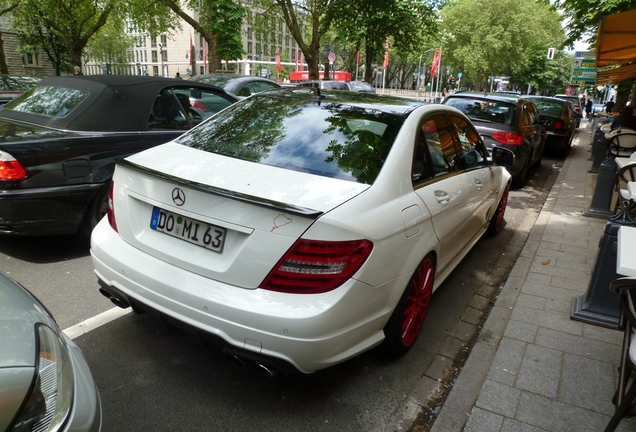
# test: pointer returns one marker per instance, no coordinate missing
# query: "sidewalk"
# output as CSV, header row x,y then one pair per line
x,y
533,368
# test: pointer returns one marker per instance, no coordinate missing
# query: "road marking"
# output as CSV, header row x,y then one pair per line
x,y
103,318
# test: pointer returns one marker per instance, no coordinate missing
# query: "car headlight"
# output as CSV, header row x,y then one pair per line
x,y
49,402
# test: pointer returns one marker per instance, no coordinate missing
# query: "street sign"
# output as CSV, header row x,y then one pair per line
x,y
584,70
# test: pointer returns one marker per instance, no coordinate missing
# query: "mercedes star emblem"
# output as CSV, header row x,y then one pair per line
x,y
178,196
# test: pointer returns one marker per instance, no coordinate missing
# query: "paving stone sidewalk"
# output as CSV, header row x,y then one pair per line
x,y
533,368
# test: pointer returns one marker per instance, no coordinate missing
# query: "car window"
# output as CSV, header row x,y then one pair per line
x,y
484,109
49,101
168,113
204,102
473,152
259,86
549,107
531,115
326,139
435,152
245,90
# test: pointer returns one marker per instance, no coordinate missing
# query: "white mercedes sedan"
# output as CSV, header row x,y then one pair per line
x,y
299,228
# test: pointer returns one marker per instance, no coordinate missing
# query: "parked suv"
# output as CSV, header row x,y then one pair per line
x,y
576,103
507,121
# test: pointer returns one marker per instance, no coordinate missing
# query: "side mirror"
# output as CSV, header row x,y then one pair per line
x,y
502,156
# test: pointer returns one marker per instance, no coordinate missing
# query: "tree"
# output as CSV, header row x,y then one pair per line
x,y
5,8
63,28
219,22
307,21
405,22
584,16
501,37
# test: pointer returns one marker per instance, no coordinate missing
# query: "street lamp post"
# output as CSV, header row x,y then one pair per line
x,y
161,57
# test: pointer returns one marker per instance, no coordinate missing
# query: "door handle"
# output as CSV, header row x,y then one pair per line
x,y
442,197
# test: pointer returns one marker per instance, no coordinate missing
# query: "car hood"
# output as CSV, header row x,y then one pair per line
x,y
19,314
292,188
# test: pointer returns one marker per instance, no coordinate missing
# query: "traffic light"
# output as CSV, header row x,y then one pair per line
x,y
550,53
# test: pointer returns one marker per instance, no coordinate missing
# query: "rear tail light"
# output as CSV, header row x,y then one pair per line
x,y
559,124
198,105
10,168
110,212
510,138
312,266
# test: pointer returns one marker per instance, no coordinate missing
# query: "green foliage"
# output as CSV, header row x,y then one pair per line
x,y
501,38
63,28
223,18
584,16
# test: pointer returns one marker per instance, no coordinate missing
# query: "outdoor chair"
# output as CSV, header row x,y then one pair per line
x,y
622,143
622,176
626,391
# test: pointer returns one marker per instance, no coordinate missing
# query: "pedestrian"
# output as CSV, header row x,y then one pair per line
x,y
77,70
609,106
178,76
625,120
588,108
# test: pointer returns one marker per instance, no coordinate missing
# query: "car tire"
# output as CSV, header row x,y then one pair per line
x,y
497,220
95,211
404,326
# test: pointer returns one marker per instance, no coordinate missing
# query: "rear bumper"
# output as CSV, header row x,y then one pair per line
x,y
288,332
45,211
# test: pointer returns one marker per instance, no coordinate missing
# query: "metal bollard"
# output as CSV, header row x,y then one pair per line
x,y
603,192
600,148
599,305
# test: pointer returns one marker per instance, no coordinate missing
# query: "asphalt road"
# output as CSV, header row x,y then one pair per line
x,y
155,379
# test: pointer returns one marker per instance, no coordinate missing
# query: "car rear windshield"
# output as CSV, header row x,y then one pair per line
x,y
485,110
49,101
549,107
334,140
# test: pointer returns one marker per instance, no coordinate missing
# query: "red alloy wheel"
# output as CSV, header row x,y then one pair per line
x,y
419,298
501,210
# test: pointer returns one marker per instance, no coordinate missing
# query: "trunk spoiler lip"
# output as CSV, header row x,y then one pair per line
x,y
250,199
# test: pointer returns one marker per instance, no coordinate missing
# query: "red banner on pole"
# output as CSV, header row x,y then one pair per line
x,y
358,57
191,52
279,67
436,60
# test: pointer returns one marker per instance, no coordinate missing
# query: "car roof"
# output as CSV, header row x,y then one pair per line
x,y
502,97
556,99
114,102
387,104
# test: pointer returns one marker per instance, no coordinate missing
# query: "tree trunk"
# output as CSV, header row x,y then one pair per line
x,y
4,68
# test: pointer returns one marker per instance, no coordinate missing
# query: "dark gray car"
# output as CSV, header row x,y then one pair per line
x,y
238,85
507,121
45,383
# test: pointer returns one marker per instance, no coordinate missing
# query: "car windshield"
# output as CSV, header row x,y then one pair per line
x,y
49,101
484,109
335,140
361,86
549,107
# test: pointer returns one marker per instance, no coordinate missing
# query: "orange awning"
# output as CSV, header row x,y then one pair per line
x,y
616,46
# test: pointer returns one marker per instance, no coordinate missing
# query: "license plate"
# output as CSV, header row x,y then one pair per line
x,y
191,230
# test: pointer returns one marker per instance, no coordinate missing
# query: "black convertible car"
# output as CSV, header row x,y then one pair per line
x,y
59,143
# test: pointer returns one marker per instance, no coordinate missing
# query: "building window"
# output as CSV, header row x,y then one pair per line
x,y
31,59
155,70
249,33
164,40
249,47
154,56
153,41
